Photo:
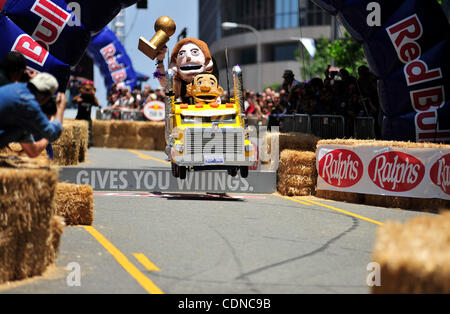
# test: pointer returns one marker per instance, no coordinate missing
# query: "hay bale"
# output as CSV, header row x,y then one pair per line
x,y
295,185
84,139
129,134
100,132
67,147
123,128
297,174
29,237
298,141
355,198
75,203
414,257
146,143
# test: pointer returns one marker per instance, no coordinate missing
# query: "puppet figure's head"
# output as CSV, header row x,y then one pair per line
x,y
204,88
190,57
87,88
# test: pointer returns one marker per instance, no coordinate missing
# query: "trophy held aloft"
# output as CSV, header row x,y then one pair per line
x,y
164,28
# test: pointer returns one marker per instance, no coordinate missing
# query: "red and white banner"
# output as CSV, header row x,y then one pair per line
x,y
382,170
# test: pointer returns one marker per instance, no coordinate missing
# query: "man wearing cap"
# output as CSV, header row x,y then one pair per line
x,y
291,86
21,114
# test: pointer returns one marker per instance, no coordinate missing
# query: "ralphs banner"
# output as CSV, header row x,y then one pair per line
x,y
407,44
382,170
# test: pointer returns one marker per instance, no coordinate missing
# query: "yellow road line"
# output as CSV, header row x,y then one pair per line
x,y
144,281
335,209
146,262
147,157
294,200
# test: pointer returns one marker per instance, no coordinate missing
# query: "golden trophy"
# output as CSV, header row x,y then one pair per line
x,y
164,28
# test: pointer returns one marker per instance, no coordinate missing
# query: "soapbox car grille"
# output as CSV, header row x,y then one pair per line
x,y
214,141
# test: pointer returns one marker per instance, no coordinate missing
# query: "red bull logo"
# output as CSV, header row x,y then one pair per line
x,y
404,36
30,49
118,73
53,20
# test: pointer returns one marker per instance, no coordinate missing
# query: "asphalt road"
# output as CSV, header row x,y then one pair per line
x,y
184,244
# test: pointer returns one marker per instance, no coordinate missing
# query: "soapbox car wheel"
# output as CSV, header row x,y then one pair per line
x,y
244,172
182,172
175,170
233,172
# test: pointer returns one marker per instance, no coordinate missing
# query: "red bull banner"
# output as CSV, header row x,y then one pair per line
x,y
382,170
54,34
407,44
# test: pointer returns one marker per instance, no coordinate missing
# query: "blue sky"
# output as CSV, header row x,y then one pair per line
x,y
183,12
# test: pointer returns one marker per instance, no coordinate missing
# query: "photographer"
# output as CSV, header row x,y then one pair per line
x,y
12,68
85,101
21,113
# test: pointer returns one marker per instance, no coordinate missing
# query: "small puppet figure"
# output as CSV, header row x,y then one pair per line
x,y
189,57
204,89
85,101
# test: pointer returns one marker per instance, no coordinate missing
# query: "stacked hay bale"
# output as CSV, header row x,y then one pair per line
x,y
298,141
297,174
29,229
414,257
75,203
71,146
129,134
427,205
15,149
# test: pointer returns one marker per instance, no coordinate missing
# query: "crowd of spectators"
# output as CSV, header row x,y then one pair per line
x,y
338,93
122,98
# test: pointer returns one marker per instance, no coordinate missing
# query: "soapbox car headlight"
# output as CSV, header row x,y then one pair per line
x,y
179,148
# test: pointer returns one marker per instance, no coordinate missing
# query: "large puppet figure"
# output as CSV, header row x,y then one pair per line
x,y
189,57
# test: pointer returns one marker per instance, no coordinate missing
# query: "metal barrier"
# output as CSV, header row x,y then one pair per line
x,y
255,121
117,114
287,123
328,126
364,128
302,123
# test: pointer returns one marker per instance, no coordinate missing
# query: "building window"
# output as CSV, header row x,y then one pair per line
x,y
284,52
286,13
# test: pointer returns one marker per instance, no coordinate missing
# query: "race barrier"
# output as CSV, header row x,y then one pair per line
x,y
327,126
162,180
129,134
120,114
413,257
383,173
30,230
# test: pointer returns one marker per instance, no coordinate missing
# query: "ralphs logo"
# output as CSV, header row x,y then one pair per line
x,y
440,173
341,168
396,171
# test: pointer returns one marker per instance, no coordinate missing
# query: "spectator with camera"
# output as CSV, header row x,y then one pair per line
x,y
85,101
21,113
